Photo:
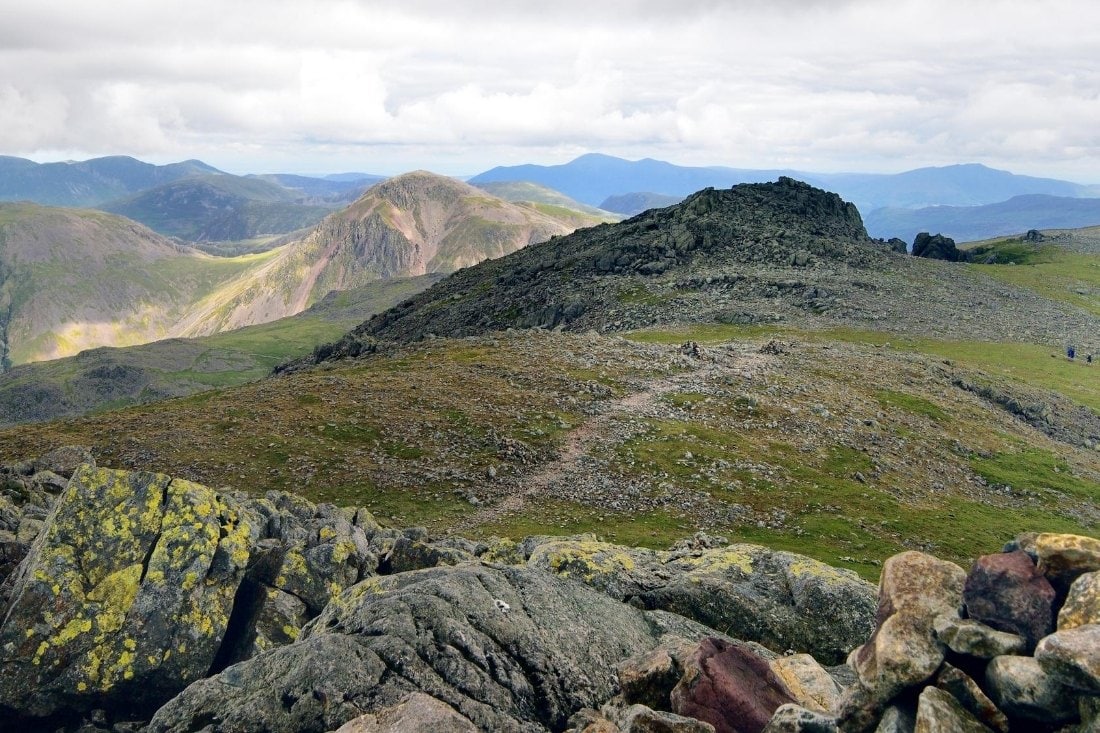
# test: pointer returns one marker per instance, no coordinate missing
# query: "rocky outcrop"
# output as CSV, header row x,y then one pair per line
x,y
145,601
936,247
572,282
137,584
509,648
778,599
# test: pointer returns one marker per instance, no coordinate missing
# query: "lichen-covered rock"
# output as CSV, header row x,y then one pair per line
x,y
792,718
1073,657
1082,605
124,597
779,599
621,572
1007,592
939,712
898,718
509,648
974,639
970,695
807,681
417,713
407,554
729,687
1021,689
1063,557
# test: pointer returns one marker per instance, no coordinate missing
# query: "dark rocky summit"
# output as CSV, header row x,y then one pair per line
x,y
573,282
140,601
936,247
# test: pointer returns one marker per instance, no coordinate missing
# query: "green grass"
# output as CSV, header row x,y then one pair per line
x,y
1034,470
1054,273
910,403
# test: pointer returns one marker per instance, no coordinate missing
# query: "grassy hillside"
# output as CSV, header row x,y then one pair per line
x,y
75,279
107,378
835,445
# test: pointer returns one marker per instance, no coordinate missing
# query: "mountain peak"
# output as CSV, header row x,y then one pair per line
x,y
579,281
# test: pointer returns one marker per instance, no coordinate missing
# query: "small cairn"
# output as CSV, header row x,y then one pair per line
x,y
1013,645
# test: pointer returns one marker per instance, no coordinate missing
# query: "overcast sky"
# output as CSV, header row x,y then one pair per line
x,y
459,86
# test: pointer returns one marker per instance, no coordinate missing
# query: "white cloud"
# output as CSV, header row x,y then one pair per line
x,y
334,85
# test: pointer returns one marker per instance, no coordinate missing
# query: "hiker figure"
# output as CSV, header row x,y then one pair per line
x,y
1071,352
1089,358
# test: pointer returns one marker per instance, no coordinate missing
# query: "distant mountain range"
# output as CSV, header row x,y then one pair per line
x,y
593,178
72,279
971,223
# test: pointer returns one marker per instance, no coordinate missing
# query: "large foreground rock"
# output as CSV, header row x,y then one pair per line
x,y
125,596
138,584
778,599
509,648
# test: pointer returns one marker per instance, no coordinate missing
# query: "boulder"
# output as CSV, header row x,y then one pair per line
x,y
974,639
1073,657
1082,604
509,648
1063,557
939,712
779,599
791,718
729,687
124,597
64,460
1021,689
649,678
936,247
1007,592
640,719
970,695
914,590
807,681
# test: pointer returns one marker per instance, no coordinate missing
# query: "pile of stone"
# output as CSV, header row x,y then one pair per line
x,y
1013,645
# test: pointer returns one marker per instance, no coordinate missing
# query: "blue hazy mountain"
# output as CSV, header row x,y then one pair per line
x,y
88,182
970,223
594,178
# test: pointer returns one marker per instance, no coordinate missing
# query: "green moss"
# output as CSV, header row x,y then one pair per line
x,y
911,403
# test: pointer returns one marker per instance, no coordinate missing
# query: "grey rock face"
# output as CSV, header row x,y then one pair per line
x,y
939,712
778,599
1020,688
936,247
1073,657
439,631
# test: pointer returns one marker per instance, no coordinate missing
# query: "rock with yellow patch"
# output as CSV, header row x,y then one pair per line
x,y
807,681
1082,605
618,571
124,597
1063,557
781,600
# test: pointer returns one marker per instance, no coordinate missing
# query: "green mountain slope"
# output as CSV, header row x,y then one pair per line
x,y
219,208
105,377
74,279
413,224
88,182
549,201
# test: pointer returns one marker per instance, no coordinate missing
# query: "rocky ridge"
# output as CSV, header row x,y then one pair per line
x,y
781,252
135,600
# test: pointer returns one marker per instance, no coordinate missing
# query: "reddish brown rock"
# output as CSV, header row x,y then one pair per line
x,y
729,687
1009,593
